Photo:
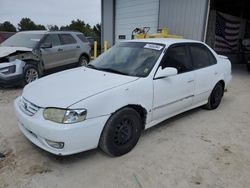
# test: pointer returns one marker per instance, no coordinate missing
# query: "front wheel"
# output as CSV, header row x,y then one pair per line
x,y
31,74
215,97
83,61
121,132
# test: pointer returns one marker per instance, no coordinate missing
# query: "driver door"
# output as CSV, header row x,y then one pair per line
x,y
174,94
52,56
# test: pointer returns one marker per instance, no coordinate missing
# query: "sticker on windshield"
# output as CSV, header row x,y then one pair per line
x,y
153,46
37,40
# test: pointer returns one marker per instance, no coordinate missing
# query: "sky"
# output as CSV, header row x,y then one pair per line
x,y
51,12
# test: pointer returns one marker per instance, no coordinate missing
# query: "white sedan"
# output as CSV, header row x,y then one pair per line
x,y
134,86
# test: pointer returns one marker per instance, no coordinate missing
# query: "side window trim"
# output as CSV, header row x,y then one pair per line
x,y
61,41
47,35
178,45
208,53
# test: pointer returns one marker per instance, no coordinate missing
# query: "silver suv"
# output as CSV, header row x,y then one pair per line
x,y
26,55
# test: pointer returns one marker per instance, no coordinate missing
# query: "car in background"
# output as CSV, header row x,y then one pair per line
x,y
133,86
25,56
91,41
5,35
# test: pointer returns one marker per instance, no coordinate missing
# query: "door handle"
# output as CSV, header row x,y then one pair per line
x,y
215,73
77,46
190,81
59,49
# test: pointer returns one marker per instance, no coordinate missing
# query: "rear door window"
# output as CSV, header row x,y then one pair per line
x,y
67,39
178,57
201,56
53,39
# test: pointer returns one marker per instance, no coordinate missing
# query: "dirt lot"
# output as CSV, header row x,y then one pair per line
x,y
199,148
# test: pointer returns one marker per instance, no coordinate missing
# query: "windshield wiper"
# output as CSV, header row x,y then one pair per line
x,y
112,71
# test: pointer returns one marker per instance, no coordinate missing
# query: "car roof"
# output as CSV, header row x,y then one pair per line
x,y
166,41
47,32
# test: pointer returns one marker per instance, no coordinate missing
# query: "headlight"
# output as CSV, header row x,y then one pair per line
x,y
8,70
65,116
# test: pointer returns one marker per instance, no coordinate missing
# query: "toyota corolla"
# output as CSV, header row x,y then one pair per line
x,y
133,86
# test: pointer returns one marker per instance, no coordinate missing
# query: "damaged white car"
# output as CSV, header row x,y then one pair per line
x,y
133,86
26,55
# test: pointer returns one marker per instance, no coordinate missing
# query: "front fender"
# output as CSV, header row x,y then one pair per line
x,y
139,92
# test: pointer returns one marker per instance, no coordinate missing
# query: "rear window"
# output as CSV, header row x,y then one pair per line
x,y
82,37
67,39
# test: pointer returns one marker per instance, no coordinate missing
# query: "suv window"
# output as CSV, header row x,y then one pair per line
x,y
82,37
67,39
201,56
53,39
177,57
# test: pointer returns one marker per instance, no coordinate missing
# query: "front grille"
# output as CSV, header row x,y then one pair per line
x,y
28,107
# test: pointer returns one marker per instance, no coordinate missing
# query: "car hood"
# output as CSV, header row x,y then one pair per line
x,y
6,51
68,87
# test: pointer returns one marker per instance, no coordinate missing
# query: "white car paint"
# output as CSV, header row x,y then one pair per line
x,y
103,93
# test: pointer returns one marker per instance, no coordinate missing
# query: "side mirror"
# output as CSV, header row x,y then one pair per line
x,y
162,73
46,45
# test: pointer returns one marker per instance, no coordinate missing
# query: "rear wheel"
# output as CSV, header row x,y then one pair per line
x,y
83,61
121,132
31,74
215,97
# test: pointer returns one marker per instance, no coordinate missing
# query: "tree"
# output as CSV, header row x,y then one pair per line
x,y
97,30
53,27
7,26
79,25
27,24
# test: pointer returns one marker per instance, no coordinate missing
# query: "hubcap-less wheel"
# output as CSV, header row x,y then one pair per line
x,y
31,75
215,97
121,132
83,61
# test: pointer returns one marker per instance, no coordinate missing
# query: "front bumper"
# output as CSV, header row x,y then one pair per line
x,y
15,78
76,137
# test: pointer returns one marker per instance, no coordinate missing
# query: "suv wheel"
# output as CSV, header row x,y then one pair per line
x,y
31,74
83,61
121,132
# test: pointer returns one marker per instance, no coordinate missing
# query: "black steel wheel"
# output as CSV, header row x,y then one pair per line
x,y
215,97
121,132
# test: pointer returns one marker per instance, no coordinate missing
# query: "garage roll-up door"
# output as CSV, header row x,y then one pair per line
x,y
184,17
135,13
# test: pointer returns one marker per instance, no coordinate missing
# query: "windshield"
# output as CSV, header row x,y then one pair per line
x,y
23,40
129,58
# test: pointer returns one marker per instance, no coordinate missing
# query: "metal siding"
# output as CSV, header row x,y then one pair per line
x,y
184,17
108,21
135,13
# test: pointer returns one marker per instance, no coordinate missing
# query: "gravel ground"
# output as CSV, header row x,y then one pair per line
x,y
198,148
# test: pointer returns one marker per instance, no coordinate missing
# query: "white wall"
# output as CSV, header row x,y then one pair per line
x,y
130,14
184,17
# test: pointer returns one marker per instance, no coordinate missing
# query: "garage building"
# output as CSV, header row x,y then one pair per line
x,y
222,24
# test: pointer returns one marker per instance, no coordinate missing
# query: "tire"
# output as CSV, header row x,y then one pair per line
x,y
83,61
121,132
215,97
30,74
